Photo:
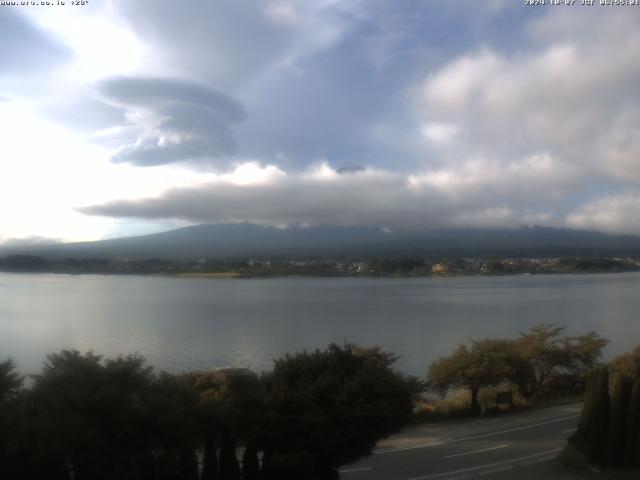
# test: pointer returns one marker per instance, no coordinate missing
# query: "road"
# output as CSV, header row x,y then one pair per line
x,y
508,446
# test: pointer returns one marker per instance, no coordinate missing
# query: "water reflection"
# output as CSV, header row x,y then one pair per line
x,y
185,324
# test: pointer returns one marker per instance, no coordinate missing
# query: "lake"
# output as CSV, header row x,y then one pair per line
x,y
182,324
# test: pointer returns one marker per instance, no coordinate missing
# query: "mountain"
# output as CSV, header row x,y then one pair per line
x,y
249,240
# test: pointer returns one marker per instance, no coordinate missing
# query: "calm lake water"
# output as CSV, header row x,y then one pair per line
x,y
182,324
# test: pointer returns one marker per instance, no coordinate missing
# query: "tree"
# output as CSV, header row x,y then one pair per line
x,y
105,417
174,425
68,404
598,417
484,363
250,463
539,353
229,467
609,427
330,407
628,364
210,458
632,444
618,415
584,352
188,463
230,402
543,354
10,381
12,421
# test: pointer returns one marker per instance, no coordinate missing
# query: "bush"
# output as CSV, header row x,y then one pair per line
x,y
107,419
331,407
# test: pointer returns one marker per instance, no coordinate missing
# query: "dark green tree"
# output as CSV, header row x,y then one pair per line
x,y
13,456
230,400
330,407
68,402
250,463
229,466
632,444
618,416
10,381
598,429
582,432
109,418
166,465
174,427
188,464
210,458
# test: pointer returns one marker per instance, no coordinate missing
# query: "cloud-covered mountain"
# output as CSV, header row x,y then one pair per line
x,y
248,240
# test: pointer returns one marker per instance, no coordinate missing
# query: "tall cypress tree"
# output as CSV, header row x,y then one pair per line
x,y
587,408
267,467
619,409
188,463
250,464
229,466
599,418
210,459
166,465
632,447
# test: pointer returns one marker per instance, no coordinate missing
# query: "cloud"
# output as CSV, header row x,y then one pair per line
x,y
319,79
174,120
25,48
33,241
461,114
85,114
322,79
324,196
508,138
231,43
575,96
613,213
439,132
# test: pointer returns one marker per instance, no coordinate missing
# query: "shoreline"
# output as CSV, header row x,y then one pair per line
x,y
239,275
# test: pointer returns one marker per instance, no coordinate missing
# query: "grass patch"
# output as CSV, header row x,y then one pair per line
x,y
457,404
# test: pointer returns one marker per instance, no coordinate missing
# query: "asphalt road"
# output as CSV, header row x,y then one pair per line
x,y
507,446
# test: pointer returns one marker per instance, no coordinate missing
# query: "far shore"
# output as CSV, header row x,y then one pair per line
x,y
243,275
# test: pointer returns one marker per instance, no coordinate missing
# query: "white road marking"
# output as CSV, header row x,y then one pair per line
x,y
473,437
411,447
571,430
482,467
476,451
496,470
351,470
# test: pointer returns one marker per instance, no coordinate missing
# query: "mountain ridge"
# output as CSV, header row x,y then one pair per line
x,y
251,240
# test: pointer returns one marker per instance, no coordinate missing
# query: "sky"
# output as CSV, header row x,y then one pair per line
x,y
121,118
